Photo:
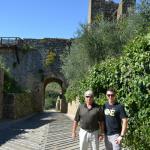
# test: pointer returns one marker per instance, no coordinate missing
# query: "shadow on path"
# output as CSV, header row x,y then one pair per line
x,y
23,126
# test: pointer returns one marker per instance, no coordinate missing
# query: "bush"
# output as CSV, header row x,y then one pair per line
x,y
130,76
102,39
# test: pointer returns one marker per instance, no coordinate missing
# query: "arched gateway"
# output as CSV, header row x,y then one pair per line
x,y
61,104
32,63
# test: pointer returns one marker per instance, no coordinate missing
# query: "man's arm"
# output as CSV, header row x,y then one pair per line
x,y
75,123
123,130
101,125
74,127
124,126
101,133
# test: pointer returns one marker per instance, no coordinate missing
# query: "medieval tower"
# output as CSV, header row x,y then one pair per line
x,y
108,9
125,7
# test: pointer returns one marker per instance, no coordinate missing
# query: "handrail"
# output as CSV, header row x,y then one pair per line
x,y
10,41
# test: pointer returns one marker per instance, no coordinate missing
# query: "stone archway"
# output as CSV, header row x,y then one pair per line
x,y
30,71
61,104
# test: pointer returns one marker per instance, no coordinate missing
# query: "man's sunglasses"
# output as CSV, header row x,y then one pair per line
x,y
112,95
88,96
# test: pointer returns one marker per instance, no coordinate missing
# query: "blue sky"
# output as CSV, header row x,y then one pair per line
x,y
42,18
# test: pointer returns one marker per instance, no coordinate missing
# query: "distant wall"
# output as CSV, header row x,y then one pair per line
x,y
72,107
61,104
1,91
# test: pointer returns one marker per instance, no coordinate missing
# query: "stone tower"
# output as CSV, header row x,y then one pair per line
x,y
104,8
125,7
108,9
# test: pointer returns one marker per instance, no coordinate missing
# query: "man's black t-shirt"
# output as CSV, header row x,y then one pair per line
x,y
113,114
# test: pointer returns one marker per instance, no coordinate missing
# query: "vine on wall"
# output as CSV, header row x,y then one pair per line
x,y
50,58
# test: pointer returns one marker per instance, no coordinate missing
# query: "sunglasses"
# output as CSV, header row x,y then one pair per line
x,y
112,95
88,96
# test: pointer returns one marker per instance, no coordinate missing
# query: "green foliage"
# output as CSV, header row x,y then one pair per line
x,y
26,48
10,85
99,41
135,91
53,86
73,92
92,45
102,44
52,92
76,58
144,9
130,76
50,100
2,64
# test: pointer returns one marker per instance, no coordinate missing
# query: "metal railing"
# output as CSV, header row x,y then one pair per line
x,y
10,41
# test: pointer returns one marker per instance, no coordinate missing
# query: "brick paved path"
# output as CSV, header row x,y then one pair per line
x,y
45,131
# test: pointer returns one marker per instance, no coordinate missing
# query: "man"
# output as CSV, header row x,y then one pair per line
x,y
115,122
90,117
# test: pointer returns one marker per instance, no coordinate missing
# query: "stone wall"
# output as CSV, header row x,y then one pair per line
x,y
17,105
24,104
1,91
103,8
125,7
61,104
72,107
109,9
27,67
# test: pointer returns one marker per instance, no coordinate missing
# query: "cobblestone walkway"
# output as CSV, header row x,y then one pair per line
x,y
45,131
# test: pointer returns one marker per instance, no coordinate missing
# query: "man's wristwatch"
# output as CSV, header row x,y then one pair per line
x,y
122,136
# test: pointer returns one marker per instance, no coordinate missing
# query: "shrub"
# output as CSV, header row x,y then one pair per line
x,y
130,76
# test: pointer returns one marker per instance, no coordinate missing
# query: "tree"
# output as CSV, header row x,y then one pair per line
x,y
99,41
